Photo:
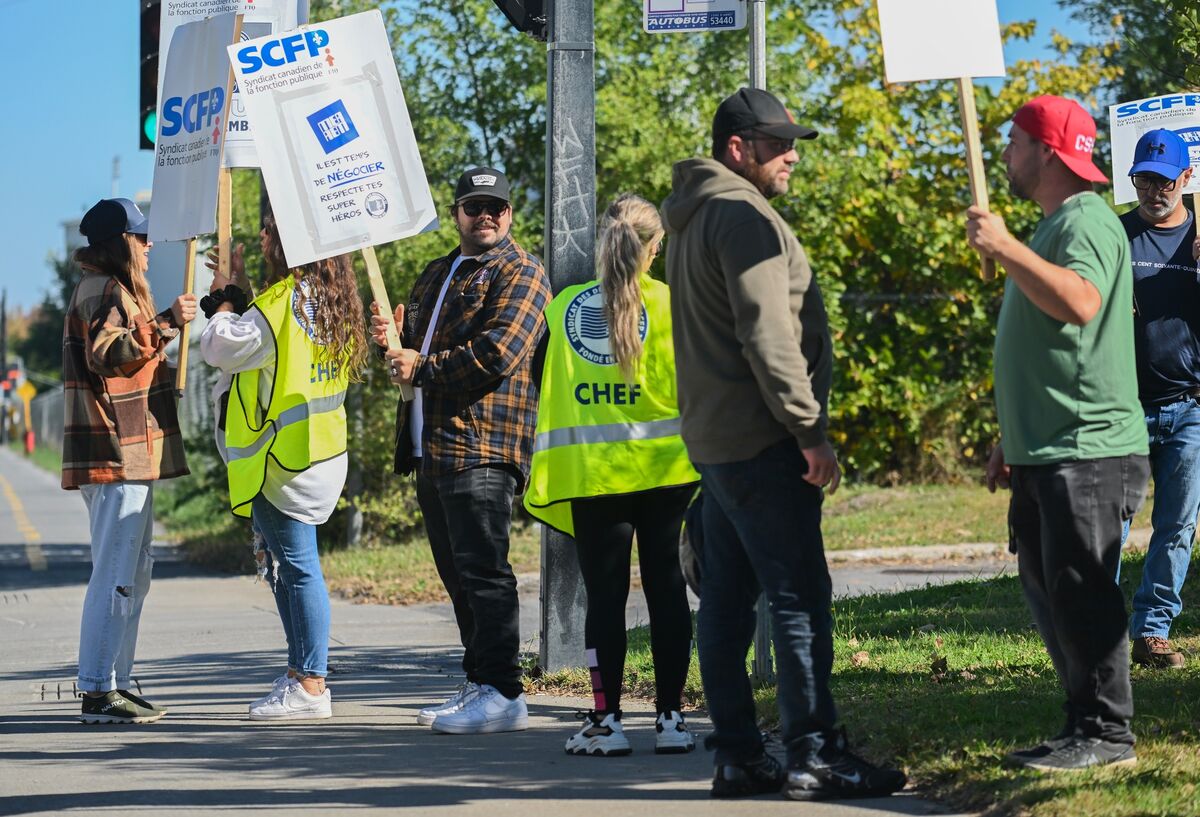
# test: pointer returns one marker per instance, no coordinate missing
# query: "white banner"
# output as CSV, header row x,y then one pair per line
x,y
940,39
1129,120
675,16
260,18
334,137
191,123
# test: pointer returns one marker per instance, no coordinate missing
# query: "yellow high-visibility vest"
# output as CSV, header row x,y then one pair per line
x,y
303,421
596,434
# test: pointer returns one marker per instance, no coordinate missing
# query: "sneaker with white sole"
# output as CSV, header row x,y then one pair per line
x,y
488,711
293,703
276,687
673,736
115,707
454,703
601,735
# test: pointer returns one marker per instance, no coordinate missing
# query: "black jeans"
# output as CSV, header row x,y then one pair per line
x,y
467,518
762,528
604,528
1065,521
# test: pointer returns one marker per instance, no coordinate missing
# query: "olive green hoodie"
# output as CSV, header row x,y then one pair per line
x,y
753,355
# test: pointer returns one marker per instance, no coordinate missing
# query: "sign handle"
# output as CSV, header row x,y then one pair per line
x,y
189,283
979,191
379,294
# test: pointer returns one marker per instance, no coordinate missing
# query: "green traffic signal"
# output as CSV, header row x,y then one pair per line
x,y
150,126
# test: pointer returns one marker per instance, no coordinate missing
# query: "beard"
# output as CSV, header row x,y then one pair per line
x,y
1159,207
763,178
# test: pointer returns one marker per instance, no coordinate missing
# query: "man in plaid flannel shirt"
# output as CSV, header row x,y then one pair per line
x,y
470,330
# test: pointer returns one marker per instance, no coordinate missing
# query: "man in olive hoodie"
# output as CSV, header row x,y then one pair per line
x,y
754,365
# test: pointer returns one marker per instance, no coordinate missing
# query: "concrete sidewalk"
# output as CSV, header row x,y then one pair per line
x,y
210,644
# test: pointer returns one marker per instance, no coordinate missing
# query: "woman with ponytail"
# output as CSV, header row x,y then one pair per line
x,y
120,434
608,463
285,359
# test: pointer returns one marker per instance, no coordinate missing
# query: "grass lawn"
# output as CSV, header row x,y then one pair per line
x,y
948,679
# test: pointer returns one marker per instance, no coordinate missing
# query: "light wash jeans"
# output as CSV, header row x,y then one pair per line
x,y
1174,431
294,571
122,526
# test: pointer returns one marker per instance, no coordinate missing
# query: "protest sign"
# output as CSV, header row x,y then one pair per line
x,y
260,18
187,153
675,16
947,39
1129,120
334,137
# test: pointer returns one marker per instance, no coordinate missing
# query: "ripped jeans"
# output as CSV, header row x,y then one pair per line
x,y
122,524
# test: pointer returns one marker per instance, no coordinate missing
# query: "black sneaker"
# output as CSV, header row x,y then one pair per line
x,y
1082,753
831,771
762,775
114,707
1021,757
142,702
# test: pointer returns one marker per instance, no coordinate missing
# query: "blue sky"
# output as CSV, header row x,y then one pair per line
x,y
70,89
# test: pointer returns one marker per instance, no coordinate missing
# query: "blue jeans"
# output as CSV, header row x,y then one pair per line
x,y
294,570
121,515
1175,466
762,529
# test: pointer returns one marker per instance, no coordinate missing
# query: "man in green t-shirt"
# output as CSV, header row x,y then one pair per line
x,y
1073,440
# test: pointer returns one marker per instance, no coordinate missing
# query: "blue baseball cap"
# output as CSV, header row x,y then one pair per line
x,y
1161,152
108,218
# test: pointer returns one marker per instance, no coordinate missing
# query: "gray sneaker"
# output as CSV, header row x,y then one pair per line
x,y
1082,753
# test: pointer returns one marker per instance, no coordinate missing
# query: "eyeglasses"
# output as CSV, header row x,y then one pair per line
x,y
773,143
1145,181
475,207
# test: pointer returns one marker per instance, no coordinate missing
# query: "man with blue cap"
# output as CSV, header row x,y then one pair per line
x,y
1166,289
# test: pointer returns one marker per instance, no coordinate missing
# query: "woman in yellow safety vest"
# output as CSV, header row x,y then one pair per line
x,y
285,360
608,462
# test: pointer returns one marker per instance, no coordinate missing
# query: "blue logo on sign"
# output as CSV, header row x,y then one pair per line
x,y
587,328
333,126
280,52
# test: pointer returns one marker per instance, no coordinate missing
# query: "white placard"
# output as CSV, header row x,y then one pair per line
x,y
260,18
674,16
334,137
191,124
1129,120
940,39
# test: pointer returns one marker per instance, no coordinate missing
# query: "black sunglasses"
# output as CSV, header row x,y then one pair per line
x,y
1144,181
473,207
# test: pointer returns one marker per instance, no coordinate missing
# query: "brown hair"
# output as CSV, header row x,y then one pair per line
x,y
338,317
629,233
115,257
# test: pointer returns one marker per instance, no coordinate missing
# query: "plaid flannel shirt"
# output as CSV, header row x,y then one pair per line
x,y
477,381
118,393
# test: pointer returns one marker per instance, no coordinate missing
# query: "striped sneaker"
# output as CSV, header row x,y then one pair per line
x,y
601,735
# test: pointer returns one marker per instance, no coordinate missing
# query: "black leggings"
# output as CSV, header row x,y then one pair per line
x,y
604,528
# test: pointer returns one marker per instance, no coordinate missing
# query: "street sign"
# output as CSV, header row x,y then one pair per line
x,y
1129,120
675,16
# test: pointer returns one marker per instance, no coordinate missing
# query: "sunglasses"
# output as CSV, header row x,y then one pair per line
x,y
475,207
1145,181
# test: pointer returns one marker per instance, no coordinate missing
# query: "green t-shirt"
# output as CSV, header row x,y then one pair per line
x,y
1068,392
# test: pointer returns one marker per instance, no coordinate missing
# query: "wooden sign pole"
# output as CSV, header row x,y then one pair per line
x,y
379,294
224,233
979,191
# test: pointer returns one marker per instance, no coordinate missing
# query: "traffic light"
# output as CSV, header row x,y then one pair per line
x,y
148,120
526,15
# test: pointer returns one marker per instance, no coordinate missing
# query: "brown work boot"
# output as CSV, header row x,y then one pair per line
x,y
1152,651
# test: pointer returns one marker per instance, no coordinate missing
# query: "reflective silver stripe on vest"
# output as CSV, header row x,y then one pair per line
x,y
295,414
610,433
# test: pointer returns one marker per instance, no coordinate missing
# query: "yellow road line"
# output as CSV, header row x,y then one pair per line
x,y
33,539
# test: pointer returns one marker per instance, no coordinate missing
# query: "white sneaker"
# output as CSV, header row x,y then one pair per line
x,y
673,736
276,687
599,736
293,703
488,711
454,703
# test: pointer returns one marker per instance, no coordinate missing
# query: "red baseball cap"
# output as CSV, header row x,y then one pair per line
x,y
1064,127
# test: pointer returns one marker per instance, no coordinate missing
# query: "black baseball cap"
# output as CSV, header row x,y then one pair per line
x,y
108,218
482,182
755,109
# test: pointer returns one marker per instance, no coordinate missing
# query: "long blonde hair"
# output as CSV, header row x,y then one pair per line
x,y
629,234
116,257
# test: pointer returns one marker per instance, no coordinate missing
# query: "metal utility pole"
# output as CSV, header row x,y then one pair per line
x,y
762,669
570,255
